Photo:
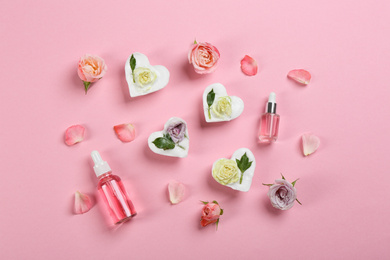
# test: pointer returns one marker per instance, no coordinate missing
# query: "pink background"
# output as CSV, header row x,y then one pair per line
x,y
343,186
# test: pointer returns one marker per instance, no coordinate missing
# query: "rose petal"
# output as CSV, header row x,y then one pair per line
x,y
300,75
176,191
125,132
74,134
249,66
310,143
82,203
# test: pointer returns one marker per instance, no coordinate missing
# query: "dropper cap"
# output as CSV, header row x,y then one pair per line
x,y
271,105
101,167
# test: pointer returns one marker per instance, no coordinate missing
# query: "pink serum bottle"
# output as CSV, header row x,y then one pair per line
x,y
269,124
112,191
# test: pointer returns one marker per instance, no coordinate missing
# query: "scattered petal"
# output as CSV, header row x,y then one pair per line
x,y
82,203
74,134
176,191
125,132
249,66
301,76
310,143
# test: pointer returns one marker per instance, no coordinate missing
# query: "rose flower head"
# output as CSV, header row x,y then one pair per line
x,y
204,57
282,194
210,213
91,68
177,131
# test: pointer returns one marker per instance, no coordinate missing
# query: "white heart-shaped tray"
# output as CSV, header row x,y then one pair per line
x,y
162,76
237,104
248,174
177,151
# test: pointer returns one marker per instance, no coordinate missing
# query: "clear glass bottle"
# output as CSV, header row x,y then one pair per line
x,y
112,191
269,122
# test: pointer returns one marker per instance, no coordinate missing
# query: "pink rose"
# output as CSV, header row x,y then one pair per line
x,y
204,57
282,194
210,213
91,68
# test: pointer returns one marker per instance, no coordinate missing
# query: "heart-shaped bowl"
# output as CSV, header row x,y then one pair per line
x,y
173,140
237,172
145,78
218,106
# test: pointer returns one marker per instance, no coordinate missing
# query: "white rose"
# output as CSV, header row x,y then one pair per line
x,y
144,76
223,107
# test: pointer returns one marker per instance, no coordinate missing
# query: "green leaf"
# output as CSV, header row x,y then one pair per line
x,y
195,42
210,100
133,63
204,202
221,212
86,86
243,164
164,143
216,224
269,185
282,176
215,202
210,97
298,201
293,183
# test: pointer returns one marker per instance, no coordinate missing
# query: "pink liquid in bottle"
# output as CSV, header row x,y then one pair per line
x,y
269,122
112,192
269,127
114,195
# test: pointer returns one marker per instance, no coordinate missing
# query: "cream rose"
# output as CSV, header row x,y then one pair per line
x,y
225,171
144,76
223,107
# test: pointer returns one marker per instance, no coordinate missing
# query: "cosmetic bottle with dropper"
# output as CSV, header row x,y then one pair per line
x,y
112,191
269,124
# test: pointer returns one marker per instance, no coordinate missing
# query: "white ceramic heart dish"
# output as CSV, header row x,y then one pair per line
x,y
247,176
159,73
180,148
221,103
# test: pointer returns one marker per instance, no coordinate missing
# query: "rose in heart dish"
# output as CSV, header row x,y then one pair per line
x,y
237,172
144,78
218,106
173,140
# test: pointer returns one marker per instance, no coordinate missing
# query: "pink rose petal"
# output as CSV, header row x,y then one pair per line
x,y
125,132
300,75
176,191
82,203
310,143
249,66
74,134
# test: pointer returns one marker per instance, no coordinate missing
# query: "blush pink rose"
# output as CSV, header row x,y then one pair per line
x,y
90,69
210,213
204,57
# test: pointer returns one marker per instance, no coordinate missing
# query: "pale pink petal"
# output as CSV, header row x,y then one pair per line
x,y
310,143
74,134
300,75
176,191
82,203
249,66
125,132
